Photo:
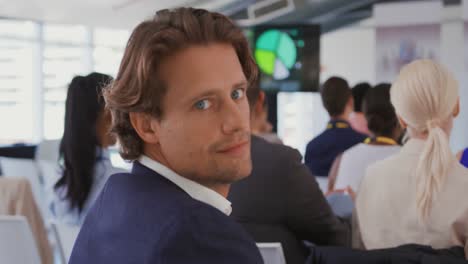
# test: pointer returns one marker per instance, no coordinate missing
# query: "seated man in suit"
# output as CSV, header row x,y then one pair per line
x,y
180,112
280,201
338,136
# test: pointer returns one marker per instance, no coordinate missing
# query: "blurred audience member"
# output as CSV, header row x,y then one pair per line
x,y
357,120
259,124
85,163
338,136
287,205
350,167
415,195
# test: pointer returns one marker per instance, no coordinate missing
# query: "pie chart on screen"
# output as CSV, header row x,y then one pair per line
x,y
275,53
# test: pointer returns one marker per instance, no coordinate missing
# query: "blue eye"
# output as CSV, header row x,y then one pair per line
x,y
202,104
237,94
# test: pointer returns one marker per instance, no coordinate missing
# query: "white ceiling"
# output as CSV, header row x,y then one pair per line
x,y
125,14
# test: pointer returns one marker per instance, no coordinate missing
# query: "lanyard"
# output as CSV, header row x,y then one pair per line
x,y
383,140
338,125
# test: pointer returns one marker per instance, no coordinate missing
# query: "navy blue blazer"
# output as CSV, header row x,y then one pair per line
x,y
142,217
323,149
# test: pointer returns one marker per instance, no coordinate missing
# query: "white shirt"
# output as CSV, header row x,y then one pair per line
x,y
355,161
194,189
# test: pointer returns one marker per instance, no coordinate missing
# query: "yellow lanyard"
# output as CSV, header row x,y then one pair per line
x,y
384,140
337,125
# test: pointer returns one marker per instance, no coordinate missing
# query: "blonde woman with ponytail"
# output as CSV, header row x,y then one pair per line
x,y
419,195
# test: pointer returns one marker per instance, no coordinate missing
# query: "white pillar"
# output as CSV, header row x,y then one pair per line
x,y
452,42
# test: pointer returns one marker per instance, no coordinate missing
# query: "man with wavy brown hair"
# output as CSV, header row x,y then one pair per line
x,y
181,114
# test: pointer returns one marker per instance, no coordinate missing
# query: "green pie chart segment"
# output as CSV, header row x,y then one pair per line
x,y
268,40
275,53
267,60
287,51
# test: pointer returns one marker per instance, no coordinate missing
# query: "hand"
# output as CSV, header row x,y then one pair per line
x,y
336,191
351,193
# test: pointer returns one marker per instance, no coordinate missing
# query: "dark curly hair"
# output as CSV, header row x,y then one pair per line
x,y
379,111
359,91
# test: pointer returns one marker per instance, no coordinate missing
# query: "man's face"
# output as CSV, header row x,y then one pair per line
x,y
204,131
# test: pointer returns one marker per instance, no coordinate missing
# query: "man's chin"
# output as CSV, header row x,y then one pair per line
x,y
225,170
240,171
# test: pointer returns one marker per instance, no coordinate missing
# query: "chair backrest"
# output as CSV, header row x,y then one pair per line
x,y
48,150
14,167
47,155
341,204
272,253
65,236
50,173
17,244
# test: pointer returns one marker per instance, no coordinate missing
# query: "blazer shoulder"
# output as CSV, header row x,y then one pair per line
x,y
275,151
216,236
129,193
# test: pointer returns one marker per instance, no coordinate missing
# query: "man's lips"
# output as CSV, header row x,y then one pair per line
x,y
234,147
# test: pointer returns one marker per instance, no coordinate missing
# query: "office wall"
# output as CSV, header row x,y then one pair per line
x,y
349,52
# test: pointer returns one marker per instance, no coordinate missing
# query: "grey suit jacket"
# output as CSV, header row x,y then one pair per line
x,y
281,202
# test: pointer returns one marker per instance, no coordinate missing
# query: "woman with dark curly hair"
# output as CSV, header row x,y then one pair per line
x,y
383,125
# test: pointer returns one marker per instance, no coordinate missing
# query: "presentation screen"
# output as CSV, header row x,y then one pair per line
x,y
288,56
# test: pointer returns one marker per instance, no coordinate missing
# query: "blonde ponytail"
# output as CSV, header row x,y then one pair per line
x,y
425,95
432,169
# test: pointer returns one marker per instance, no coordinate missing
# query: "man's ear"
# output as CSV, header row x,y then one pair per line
x,y
146,126
351,103
258,108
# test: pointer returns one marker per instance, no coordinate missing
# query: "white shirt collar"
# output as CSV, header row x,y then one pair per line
x,y
194,189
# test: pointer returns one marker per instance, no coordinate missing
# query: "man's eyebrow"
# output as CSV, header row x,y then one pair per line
x,y
240,84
